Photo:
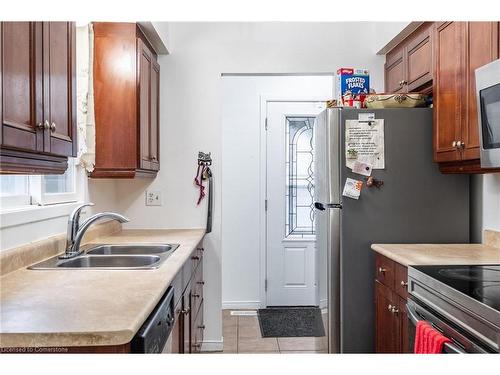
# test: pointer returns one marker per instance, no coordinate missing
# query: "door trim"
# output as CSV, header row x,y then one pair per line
x,y
264,100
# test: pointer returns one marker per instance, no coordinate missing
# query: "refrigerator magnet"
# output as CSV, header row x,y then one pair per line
x,y
352,188
364,169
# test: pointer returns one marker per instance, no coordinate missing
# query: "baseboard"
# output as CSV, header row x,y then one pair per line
x,y
238,305
212,345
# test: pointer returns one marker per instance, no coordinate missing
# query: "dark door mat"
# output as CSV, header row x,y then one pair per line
x,y
291,321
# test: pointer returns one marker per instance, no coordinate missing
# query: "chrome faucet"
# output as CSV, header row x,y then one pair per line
x,y
76,231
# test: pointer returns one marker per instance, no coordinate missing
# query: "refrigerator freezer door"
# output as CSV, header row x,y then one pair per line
x,y
416,204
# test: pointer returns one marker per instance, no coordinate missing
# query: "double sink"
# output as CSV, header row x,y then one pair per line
x,y
113,256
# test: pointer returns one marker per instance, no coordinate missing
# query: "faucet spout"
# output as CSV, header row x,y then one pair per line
x,y
77,231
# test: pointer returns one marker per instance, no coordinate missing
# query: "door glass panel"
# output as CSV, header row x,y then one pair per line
x,y
299,165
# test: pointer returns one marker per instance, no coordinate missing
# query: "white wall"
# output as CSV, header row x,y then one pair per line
x,y
385,32
191,112
491,201
242,232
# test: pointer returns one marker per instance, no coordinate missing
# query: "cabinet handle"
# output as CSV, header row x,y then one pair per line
x,y
53,127
404,284
381,270
200,282
195,257
201,327
186,311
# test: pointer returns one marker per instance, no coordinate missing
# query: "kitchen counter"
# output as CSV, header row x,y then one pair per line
x,y
439,254
81,307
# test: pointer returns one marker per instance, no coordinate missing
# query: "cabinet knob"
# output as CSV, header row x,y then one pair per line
x,y
404,82
404,284
200,282
381,270
195,257
186,311
42,126
394,310
196,295
390,307
53,127
460,144
201,327
197,346
200,249
153,158
454,144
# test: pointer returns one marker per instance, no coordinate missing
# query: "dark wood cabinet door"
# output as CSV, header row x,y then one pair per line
x,y
449,90
60,87
419,60
403,327
482,48
387,327
21,85
177,333
144,76
154,137
395,72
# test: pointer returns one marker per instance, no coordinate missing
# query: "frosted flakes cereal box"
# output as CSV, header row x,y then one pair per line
x,y
352,87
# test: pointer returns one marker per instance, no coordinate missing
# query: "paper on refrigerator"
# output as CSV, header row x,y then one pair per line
x,y
364,142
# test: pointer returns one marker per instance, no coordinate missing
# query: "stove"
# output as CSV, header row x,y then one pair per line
x,y
467,297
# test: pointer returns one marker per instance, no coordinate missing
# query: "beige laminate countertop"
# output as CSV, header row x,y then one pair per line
x,y
88,307
439,254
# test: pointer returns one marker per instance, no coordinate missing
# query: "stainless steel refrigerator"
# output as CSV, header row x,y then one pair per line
x,y
415,204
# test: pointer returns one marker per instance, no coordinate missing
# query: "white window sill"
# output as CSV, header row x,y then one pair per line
x,y
31,214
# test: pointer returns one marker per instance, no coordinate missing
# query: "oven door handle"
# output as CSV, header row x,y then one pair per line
x,y
449,345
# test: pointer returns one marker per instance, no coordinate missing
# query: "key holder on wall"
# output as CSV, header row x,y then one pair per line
x,y
204,173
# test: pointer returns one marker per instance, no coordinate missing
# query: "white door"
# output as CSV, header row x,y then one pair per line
x,y
291,253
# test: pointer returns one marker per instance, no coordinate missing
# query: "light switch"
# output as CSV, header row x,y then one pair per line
x,y
153,198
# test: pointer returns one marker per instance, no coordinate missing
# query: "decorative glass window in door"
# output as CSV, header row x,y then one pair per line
x,y
299,176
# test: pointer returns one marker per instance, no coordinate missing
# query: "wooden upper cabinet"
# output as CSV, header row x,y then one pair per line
x,y
460,48
394,71
409,66
60,87
126,102
419,59
482,48
449,90
21,85
38,96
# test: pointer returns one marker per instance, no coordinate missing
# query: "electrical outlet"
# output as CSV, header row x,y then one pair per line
x,y
153,198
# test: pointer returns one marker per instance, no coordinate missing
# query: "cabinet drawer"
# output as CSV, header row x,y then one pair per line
x,y
401,280
384,270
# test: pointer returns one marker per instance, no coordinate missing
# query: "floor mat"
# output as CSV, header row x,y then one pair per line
x,y
293,321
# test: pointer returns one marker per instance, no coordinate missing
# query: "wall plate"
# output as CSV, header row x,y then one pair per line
x,y
153,198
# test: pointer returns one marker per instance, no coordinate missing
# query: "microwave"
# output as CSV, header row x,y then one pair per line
x,y
488,112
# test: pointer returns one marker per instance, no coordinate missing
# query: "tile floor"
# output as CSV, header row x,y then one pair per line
x,y
242,335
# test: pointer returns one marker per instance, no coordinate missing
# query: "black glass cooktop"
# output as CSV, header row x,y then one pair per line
x,y
479,282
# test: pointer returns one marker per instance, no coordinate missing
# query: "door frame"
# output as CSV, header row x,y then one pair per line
x,y
264,100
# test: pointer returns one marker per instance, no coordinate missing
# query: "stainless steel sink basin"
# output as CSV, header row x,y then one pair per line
x,y
112,257
131,249
112,261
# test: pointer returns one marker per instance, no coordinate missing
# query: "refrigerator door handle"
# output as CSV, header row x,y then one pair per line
x,y
323,206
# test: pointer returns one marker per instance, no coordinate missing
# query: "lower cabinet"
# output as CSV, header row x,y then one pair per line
x,y
189,324
391,320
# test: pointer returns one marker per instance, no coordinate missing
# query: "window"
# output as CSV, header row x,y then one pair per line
x,y
299,176
22,190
